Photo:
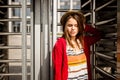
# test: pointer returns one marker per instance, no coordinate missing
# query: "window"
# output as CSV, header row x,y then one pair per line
x,y
16,12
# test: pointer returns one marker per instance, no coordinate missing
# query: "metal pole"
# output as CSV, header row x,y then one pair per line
x,y
71,4
54,21
93,55
118,40
32,44
24,39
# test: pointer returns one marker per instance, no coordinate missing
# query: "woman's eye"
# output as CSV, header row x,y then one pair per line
x,y
76,25
70,25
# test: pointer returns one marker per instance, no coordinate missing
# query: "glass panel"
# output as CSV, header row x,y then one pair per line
x,y
76,4
16,26
16,12
59,15
63,4
28,13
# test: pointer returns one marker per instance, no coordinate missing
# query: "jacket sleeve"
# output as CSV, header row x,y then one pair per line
x,y
95,35
57,61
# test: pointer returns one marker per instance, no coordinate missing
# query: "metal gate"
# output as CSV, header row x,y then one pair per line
x,y
15,44
29,29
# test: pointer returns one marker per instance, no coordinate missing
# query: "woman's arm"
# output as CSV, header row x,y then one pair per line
x,y
57,61
94,34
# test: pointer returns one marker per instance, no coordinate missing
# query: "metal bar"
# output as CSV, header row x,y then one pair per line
x,y
87,14
1,2
105,56
14,19
11,33
104,22
71,4
12,74
32,44
1,66
24,39
50,40
105,73
99,8
86,3
37,38
112,7
13,60
2,55
2,12
13,47
54,37
14,6
93,55
111,34
65,10
118,39
1,23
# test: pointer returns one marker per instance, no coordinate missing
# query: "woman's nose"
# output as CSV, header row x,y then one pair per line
x,y
73,27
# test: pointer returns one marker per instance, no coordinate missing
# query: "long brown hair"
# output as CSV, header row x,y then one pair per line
x,y
79,17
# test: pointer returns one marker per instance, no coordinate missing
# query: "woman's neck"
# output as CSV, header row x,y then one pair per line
x,y
73,39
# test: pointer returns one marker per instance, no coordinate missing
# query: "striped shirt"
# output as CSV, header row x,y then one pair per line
x,y
77,65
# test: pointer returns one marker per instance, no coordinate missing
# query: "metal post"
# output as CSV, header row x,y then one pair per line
x,y
118,39
24,39
93,55
37,38
45,56
71,4
54,21
32,43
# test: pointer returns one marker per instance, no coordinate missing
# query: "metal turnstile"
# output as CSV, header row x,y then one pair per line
x,y
15,52
29,29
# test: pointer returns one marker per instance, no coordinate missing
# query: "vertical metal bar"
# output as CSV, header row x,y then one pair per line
x,y
80,5
118,39
45,57
93,55
24,39
49,38
37,38
71,4
42,40
32,44
54,21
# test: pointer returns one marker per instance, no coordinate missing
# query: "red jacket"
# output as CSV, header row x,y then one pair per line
x,y
59,57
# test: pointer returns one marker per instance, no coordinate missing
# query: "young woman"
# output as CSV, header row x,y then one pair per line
x,y
71,52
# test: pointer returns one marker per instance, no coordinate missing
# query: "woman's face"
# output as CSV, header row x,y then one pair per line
x,y
72,27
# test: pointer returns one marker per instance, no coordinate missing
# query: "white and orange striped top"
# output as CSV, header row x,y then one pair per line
x,y
77,64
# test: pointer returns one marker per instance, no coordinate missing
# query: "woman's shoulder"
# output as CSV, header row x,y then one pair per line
x,y
60,41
